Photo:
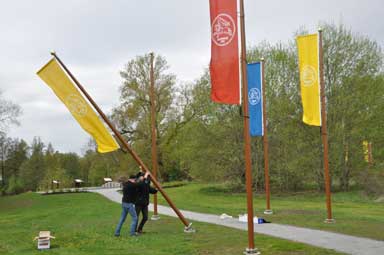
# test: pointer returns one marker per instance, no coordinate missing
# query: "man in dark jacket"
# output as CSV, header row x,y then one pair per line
x,y
142,201
130,193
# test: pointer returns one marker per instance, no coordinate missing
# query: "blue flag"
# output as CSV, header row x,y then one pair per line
x,y
255,99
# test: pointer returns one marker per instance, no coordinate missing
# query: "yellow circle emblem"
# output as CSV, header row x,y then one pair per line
x,y
308,75
76,105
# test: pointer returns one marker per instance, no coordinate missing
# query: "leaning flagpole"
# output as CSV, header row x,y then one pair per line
x,y
324,133
188,227
247,137
155,216
265,143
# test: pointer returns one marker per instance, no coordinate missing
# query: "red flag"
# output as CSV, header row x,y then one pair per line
x,y
224,67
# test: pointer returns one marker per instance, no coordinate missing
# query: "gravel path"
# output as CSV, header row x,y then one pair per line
x,y
329,240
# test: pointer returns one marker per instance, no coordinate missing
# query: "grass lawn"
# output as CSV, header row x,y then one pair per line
x,y
354,214
84,223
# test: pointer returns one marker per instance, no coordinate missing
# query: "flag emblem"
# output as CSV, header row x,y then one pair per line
x,y
254,96
76,105
309,76
223,29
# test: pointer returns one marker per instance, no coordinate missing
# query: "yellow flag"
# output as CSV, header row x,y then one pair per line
x,y
55,77
308,47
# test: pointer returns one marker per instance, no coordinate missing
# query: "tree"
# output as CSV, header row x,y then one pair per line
x,y
13,152
353,64
133,116
212,140
71,164
33,170
4,151
8,114
209,147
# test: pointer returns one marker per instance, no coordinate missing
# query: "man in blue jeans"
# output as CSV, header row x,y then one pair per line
x,y
130,189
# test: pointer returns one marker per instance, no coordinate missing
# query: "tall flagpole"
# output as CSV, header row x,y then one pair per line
x,y
370,158
247,137
265,142
188,227
324,133
155,216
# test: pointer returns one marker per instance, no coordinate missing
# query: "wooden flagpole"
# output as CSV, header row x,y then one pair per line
x,y
265,142
324,133
247,137
155,216
370,158
188,227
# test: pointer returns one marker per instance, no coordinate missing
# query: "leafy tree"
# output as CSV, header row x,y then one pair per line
x,y
17,154
8,114
33,170
4,151
133,116
213,139
353,64
13,153
71,164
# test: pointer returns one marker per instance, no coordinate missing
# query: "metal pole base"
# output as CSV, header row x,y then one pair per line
x,y
268,211
189,229
249,251
155,217
329,221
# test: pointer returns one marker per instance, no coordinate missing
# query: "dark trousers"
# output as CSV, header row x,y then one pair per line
x,y
144,210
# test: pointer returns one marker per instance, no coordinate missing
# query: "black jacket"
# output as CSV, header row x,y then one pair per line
x,y
143,193
130,191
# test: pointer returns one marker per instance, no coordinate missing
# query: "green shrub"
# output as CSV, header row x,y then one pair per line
x,y
372,181
15,186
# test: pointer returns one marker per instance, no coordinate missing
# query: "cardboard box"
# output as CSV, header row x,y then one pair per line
x,y
44,240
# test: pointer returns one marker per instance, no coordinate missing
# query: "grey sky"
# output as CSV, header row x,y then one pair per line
x,y
96,38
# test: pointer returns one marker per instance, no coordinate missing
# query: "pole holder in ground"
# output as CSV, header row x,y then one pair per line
x,y
155,217
251,251
189,229
268,211
330,221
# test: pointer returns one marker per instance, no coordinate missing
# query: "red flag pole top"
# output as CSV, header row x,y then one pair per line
x,y
224,66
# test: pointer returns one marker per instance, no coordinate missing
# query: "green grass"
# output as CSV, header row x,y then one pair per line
x,y
354,213
83,223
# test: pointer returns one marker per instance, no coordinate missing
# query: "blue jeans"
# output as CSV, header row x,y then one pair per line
x,y
127,208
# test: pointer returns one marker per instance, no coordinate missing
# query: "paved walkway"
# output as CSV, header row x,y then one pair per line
x,y
323,239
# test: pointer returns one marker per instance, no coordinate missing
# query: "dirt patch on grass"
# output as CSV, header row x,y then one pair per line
x,y
16,204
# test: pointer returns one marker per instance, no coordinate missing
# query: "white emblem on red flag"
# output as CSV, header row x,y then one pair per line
x,y
223,29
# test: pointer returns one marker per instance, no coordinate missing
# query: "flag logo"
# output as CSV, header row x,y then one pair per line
x,y
76,105
223,29
309,76
254,96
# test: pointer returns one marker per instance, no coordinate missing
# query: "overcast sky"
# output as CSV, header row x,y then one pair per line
x,y
96,38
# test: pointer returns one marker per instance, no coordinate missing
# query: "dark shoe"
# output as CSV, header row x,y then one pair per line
x,y
117,235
